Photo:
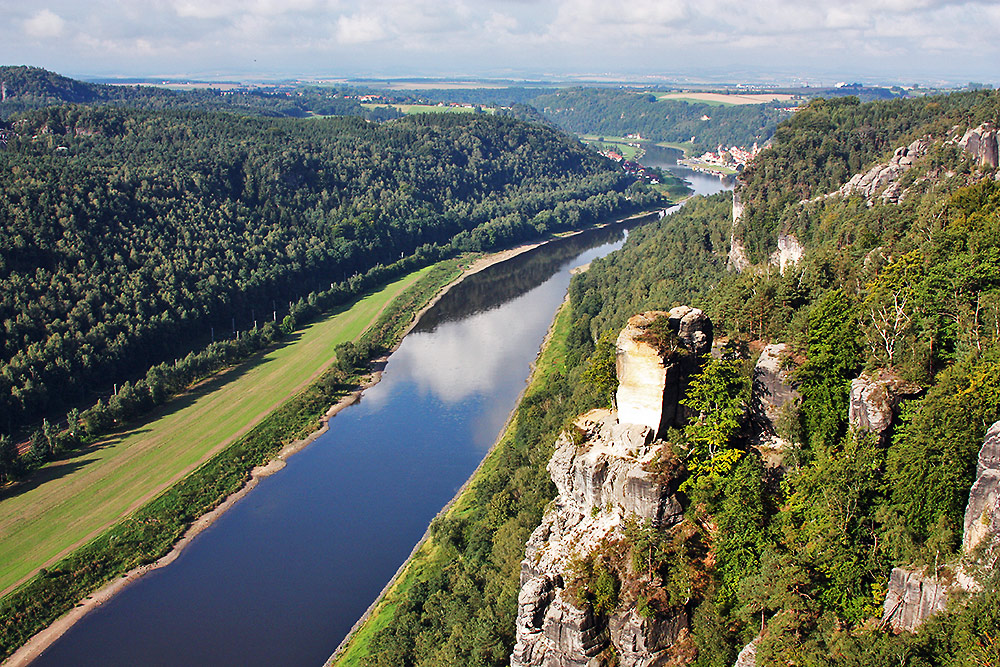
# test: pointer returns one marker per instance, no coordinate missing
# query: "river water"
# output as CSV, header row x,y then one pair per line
x,y
281,577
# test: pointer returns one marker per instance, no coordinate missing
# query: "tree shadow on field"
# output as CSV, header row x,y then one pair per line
x,y
47,474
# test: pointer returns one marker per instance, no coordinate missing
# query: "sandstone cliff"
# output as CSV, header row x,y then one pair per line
x,y
882,180
601,477
651,379
609,473
771,392
982,143
914,595
874,400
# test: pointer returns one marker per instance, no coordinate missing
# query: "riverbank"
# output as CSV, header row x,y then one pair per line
x,y
177,503
355,645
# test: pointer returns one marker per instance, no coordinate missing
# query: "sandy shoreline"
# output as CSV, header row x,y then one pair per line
x,y
42,640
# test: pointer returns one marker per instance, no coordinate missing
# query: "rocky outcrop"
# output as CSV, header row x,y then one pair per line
x,y
882,179
748,656
912,597
982,514
642,641
789,252
599,470
651,379
874,400
738,260
982,144
771,392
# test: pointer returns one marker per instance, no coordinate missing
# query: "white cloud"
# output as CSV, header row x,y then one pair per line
x,y
45,23
437,37
359,29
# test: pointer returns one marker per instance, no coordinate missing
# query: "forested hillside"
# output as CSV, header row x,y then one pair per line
x,y
824,144
28,88
621,112
129,236
796,554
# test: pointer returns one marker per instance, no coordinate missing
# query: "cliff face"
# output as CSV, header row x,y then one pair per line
x,y
608,472
771,391
874,399
882,180
913,596
983,144
982,514
652,382
600,473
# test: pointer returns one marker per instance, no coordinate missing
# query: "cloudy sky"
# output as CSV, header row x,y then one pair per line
x,y
896,41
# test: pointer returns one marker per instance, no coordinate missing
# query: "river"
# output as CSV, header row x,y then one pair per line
x,y
281,577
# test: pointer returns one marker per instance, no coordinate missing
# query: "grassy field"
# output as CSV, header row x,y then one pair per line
x,y
551,359
687,147
721,99
72,500
427,108
618,144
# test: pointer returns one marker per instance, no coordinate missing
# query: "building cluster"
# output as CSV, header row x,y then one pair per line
x,y
733,157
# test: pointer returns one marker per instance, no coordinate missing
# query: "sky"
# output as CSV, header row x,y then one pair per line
x,y
887,41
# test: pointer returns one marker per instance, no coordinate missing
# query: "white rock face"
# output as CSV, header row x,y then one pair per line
x,y
788,254
982,142
738,260
748,656
600,482
881,180
771,391
912,597
982,514
874,399
650,381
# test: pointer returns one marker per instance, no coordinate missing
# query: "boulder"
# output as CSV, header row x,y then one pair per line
x,y
874,400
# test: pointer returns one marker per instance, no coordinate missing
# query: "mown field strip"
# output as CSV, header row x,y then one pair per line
x,y
71,501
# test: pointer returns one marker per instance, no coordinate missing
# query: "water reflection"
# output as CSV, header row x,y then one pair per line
x,y
500,283
283,575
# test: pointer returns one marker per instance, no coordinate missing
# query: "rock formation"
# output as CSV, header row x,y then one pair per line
x,y
607,470
874,400
982,514
913,596
771,391
738,259
789,252
748,656
601,477
652,380
982,144
883,178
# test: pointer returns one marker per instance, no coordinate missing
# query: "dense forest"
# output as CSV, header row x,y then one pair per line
x,y
27,88
798,554
621,112
131,237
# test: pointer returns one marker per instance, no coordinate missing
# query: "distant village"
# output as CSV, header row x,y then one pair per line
x,y
734,157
